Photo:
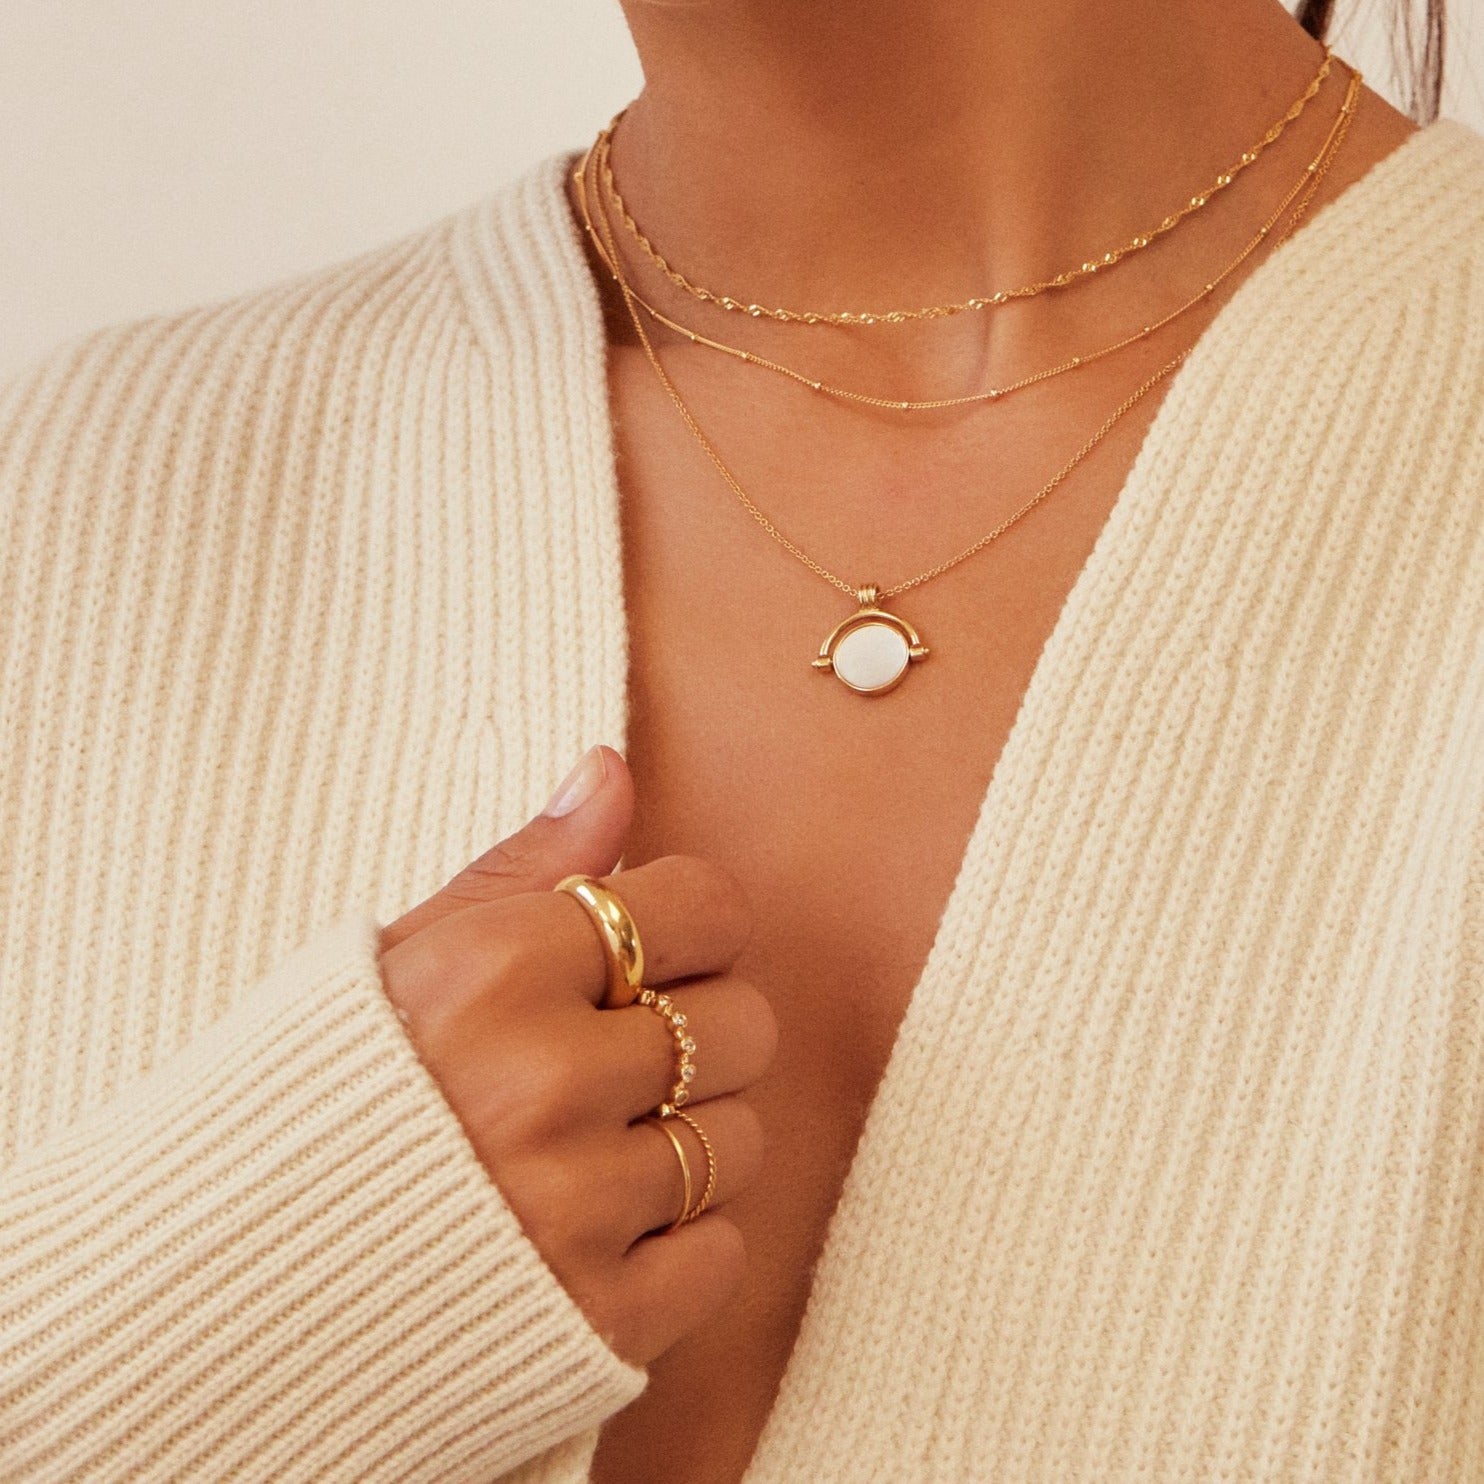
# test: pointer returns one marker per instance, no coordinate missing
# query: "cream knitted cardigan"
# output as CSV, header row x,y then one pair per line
x,y
1177,1170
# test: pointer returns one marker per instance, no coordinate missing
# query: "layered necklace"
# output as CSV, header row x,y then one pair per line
x,y
871,649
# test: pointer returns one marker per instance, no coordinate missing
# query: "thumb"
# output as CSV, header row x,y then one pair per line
x,y
581,828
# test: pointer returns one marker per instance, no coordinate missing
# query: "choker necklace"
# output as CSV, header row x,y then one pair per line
x,y
1004,296
870,650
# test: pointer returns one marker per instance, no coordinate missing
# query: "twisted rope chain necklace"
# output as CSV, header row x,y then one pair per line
x,y
870,650
938,311
895,404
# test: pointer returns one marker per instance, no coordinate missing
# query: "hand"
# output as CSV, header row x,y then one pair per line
x,y
498,980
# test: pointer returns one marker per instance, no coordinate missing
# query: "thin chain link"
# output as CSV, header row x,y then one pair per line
x,y
991,394
1004,296
1314,173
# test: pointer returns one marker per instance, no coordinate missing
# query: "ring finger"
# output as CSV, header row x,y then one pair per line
x,y
647,1172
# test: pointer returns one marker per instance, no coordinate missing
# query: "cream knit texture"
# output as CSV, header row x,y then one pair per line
x,y
1177,1170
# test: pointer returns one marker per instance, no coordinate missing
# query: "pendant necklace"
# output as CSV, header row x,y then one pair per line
x,y
871,650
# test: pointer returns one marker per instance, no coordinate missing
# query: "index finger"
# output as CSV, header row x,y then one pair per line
x,y
692,916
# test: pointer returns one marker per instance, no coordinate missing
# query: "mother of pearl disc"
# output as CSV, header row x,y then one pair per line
x,y
871,656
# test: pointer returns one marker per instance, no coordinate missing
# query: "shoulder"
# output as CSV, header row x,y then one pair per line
x,y
178,403
1405,271
1375,307
293,374
1436,179
1410,227
242,332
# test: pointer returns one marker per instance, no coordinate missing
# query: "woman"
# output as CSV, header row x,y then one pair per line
x,y
1057,815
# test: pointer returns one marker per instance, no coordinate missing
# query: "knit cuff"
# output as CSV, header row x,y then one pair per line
x,y
278,1257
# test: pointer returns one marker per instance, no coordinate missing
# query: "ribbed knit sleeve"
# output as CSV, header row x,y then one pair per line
x,y
277,1257
243,1235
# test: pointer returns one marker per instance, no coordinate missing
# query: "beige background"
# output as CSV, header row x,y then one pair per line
x,y
159,153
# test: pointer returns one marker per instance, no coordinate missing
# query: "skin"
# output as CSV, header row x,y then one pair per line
x,y
886,153
500,983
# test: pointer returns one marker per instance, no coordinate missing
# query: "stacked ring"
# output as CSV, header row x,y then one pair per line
x,y
620,935
687,1212
710,1167
674,1138
684,1045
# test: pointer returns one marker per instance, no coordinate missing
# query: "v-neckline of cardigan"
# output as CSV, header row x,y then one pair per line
x,y
1127,529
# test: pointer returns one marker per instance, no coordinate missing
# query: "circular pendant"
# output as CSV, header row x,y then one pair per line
x,y
871,650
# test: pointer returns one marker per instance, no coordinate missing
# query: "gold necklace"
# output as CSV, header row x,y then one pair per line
x,y
1004,296
871,650
991,394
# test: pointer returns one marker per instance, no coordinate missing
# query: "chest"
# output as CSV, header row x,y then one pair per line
x,y
846,816
1188,1087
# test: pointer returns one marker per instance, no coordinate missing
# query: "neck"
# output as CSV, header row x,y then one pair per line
x,y
886,153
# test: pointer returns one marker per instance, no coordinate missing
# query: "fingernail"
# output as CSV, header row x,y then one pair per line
x,y
579,784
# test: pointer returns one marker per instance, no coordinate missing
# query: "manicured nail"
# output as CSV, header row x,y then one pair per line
x,y
579,785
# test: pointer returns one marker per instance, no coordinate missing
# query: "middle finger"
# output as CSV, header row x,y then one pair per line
x,y
634,1057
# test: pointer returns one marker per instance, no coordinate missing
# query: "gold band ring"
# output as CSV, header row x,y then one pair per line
x,y
711,1167
619,934
685,1071
674,1138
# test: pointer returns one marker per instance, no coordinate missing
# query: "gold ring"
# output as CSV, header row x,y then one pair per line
x,y
674,1138
685,1071
710,1167
619,934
